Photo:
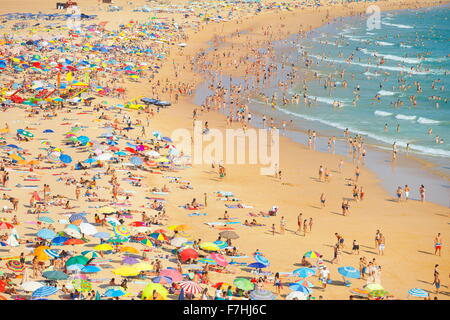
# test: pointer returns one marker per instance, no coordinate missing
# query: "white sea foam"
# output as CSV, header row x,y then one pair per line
x,y
382,113
391,56
386,93
383,43
402,26
423,120
405,45
405,117
325,100
367,73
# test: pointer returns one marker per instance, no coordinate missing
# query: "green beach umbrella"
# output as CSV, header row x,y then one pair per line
x,y
243,284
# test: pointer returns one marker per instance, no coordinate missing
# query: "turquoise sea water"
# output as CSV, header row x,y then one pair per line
x,y
414,47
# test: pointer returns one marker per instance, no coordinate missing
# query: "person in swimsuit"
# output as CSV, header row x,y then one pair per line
x,y
322,200
406,189
355,247
438,244
436,281
299,223
381,245
399,193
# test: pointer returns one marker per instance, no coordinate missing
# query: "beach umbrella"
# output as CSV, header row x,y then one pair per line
x,y
360,292
75,267
90,254
82,285
221,244
220,259
261,259
106,209
103,247
72,232
243,284
257,265
46,220
229,235
147,293
415,292
299,287
130,260
207,260
15,265
349,272
179,227
102,235
262,295
51,253
59,240
91,269
159,236
129,249
122,231
136,161
378,293
143,266
65,158
147,242
48,131
178,241
304,272
297,295
187,254
77,260
76,217
163,280
6,226
31,286
88,229
90,160
373,286
126,271
44,291
209,246
117,239
173,274
312,254
55,275
114,293
74,242
190,287
46,234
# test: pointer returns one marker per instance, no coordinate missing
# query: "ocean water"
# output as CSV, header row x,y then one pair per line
x,y
412,46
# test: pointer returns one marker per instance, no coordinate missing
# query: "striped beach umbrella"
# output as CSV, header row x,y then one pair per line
x,y
147,242
46,220
304,272
221,244
415,292
262,295
82,285
15,265
207,260
378,293
312,254
261,259
209,246
51,253
46,234
360,292
121,231
44,291
191,287
159,236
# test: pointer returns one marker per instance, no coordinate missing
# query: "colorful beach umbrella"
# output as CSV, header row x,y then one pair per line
x,y
262,295
304,272
15,265
44,291
190,287
243,284
415,292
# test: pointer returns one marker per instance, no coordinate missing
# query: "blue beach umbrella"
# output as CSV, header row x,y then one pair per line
x,y
162,279
48,131
349,272
114,293
304,272
136,161
44,291
257,265
59,240
46,220
261,259
65,158
102,235
51,253
221,244
75,267
75,217
91,269
46,234
300,288
90,160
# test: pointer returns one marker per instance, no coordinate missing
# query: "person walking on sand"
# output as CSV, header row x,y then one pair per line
x,y
437,244
273,229
282,225
277,282
437,280
305,227
322,200
399,193
299,223
406,190
381,245
310,224
77,192
422,193
357,174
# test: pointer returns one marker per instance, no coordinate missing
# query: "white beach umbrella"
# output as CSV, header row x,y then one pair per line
x,y
88,229
104,156
296,295
31,286
72,233
153,154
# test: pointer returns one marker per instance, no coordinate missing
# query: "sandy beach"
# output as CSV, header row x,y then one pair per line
x,y
409,228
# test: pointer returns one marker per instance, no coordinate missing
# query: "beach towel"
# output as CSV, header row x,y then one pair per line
x,y
196,214
153,198
26,186
159,192
224,228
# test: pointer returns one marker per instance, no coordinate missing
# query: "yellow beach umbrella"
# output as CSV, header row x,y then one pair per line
x,y
179,227
126,271
107,209
373,286
209,246
103,247
147,293
143,266
129,249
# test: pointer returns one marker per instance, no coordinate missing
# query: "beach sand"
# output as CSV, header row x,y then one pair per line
x,y
409,227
